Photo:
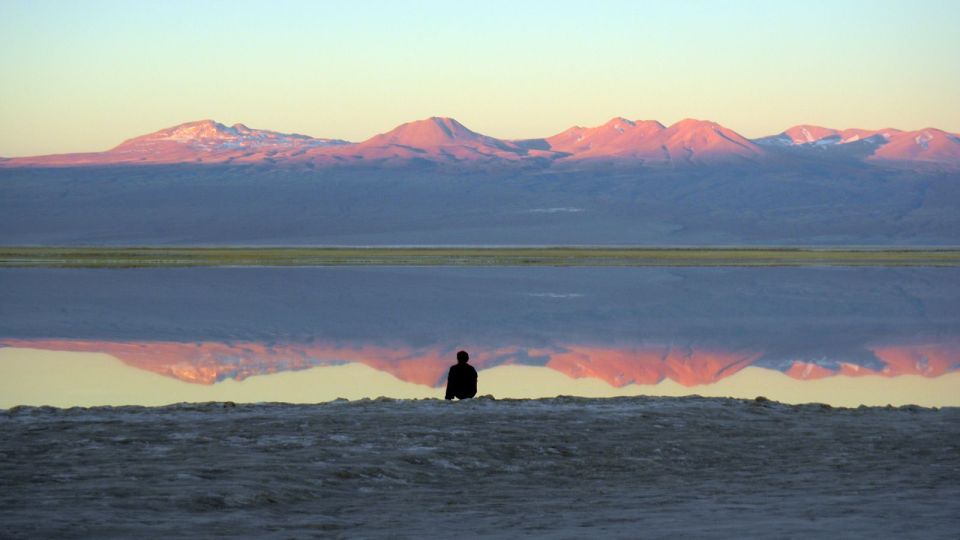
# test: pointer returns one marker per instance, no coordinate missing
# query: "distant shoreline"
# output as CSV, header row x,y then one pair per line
x,y
159,257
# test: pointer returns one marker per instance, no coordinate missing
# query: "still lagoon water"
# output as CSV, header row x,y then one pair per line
x,y
845,336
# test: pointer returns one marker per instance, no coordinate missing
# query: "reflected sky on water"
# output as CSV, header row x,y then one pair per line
x,y
621,326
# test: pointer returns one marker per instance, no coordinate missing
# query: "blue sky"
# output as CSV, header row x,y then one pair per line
x,y
81,76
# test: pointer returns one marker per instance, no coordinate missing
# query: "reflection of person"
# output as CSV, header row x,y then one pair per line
x,y
462,378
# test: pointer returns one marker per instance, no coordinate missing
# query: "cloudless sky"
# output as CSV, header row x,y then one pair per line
x,y
85,75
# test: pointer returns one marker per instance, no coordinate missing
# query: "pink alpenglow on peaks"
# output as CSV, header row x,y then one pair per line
x,y
819,136
807,134
619,136
924,146
687,142
207,140
430,133
437,139
706,142
204,141
216,136
448,143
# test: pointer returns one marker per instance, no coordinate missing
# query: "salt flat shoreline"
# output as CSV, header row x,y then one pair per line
x,y
135,257
213,406
551,468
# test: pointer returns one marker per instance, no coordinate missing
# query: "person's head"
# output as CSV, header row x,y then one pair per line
x,y
462,357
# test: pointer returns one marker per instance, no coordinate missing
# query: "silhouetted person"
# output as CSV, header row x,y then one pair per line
x,y
462,378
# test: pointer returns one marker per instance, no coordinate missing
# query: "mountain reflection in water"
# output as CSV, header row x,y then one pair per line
x,y
693,326
209,362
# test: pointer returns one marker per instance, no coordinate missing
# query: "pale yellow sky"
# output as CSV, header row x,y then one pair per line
x,y
84,76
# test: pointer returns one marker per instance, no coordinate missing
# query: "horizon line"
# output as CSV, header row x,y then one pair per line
x,y
454,119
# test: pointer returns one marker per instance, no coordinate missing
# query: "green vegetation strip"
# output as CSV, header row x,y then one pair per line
x,y
135,257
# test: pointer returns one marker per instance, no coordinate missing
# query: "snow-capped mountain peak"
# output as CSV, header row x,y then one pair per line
x,y
445,140
210,134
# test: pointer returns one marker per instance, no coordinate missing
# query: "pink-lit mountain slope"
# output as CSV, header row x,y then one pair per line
x,y
204,141
438,139
924,145
446,141
929,145
647,141
822,136
707,142
619,136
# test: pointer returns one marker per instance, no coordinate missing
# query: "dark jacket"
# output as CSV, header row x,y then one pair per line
x,y
461,381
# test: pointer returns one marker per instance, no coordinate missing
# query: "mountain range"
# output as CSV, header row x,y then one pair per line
x,y
437,182
446,141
